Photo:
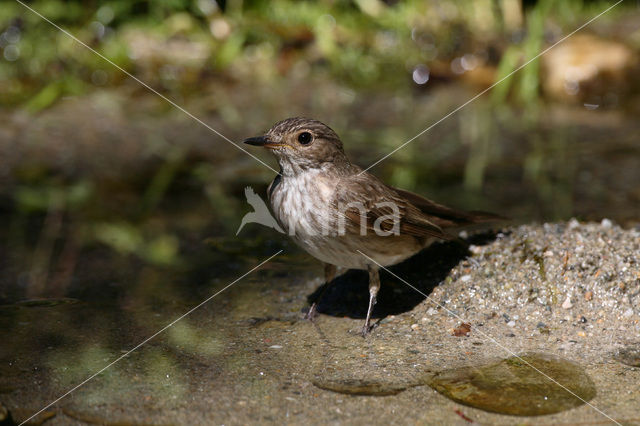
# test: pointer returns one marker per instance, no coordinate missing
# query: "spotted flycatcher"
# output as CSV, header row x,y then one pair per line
x,y
344,216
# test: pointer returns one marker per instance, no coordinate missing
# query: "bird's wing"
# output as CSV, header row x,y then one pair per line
x,y
382,205
444,216
273,185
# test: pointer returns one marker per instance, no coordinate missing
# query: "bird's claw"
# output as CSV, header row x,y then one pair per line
x,y
366,329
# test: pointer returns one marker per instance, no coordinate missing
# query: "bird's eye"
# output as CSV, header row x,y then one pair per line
x,y
304,138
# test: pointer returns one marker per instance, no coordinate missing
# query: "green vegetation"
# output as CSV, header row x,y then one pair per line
x,y
175,45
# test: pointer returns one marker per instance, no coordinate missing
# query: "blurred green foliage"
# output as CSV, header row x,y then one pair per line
x,y
174,44
178,46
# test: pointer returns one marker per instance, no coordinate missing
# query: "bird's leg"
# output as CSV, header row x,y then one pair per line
x,y
374,286
329,275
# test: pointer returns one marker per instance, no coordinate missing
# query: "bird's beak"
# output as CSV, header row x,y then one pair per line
x,y
263,141
257,141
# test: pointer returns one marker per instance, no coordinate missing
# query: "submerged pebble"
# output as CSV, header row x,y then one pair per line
x,y
629,355
371,387
512,386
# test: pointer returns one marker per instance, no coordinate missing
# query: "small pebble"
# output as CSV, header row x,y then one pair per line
x,y
475,249
544,330
628,313
511,323
463,329
588,295
606,223
275,347
567,303
465,278
415,326
573,224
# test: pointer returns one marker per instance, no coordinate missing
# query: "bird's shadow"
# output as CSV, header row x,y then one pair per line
x,y
348,294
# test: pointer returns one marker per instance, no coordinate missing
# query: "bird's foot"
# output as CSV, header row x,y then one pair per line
x,y
366,329
312,313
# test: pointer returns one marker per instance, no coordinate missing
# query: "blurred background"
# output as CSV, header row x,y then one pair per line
x,y
109,193
95,167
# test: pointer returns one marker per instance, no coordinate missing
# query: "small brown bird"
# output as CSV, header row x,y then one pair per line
x,y
344,216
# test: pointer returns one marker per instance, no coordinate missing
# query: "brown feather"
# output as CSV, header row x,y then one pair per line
x,y
370,192
446,217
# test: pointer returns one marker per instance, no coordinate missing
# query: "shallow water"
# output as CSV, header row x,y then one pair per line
x,y
120,222
531,384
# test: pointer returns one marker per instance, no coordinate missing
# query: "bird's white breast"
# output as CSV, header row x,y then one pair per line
x,y
305,208
301,204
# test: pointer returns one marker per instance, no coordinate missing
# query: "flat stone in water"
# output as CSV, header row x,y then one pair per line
x,y
629,355
512,387
362,386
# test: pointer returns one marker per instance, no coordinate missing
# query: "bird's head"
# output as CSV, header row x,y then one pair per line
x,y
302,144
